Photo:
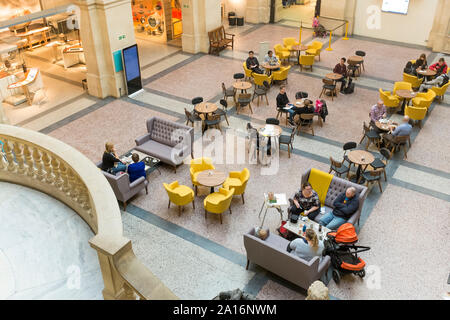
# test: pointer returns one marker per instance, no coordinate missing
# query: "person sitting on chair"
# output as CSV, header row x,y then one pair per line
x,y
307,248
437,82
252,63
136,169
341,69
283,102
271,60
110,159
402,130
306,201
346,204
409,69
440,67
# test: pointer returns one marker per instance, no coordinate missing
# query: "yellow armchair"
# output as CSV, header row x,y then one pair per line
x,y
281,52
424,100
260,78
238,181
248,72
440,92
415,82
179,195
198,165
219,202
389,100
315,48
289,43
282,74
306,60
400,85
416,113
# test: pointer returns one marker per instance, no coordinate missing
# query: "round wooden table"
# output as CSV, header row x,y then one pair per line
x,y
269,67
299,48
206,107
355,59
385,126
334,76
211,178
426,72
405,95
242,85
361,158
276,131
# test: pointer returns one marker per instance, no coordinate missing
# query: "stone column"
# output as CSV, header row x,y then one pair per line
x,y
439,40
105,27
199,17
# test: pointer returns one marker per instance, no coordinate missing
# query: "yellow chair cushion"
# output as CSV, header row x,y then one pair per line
x,y
233,182
183,191
320,182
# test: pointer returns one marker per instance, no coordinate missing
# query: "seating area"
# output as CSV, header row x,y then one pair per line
x,y
227,157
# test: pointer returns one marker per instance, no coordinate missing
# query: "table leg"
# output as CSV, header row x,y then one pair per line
x,y
212,190
402,111
30,45
27,94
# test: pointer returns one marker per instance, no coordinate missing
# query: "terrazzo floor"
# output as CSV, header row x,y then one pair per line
x,y
406,226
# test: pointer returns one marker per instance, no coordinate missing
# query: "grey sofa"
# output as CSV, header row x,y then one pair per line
x,y
167,141
271,254
337,186
123,189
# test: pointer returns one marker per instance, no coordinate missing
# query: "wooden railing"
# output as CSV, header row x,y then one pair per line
x,y
46,164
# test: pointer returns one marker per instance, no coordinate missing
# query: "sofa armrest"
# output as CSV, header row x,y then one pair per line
x,y
324,265
142,139
137,182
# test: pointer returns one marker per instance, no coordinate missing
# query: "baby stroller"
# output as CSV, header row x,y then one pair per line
x,y
341,248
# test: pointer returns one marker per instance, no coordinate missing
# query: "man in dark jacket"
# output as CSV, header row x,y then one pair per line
x,y
345,205
252,63
341,69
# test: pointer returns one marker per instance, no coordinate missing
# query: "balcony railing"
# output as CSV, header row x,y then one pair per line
x,y
46,164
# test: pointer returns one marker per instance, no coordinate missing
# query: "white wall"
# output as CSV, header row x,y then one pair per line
x,y
413,28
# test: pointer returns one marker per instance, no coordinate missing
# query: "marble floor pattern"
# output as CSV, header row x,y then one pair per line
x,y
415,199
44,249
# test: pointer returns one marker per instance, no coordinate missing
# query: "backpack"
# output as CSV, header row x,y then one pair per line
x,y
350,88
318,107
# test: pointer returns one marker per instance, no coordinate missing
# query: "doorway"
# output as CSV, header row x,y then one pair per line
x,y
298,10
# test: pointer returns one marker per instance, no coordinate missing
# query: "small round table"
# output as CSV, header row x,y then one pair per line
x,y
242,85
334,76
269,68
272,134
299,48
206,107
406,95
361,158
355,59
211,178
426,72
384,126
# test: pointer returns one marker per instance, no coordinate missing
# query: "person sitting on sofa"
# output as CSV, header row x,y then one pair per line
x,y
309,248
110,159
136,169
345,205
307,201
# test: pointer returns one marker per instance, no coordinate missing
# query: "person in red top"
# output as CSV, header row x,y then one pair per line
x,y
440,67
341,69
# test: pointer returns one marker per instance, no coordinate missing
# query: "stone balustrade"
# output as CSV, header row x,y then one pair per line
x,y
48,165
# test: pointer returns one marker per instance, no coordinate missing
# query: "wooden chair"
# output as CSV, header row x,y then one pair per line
x,y
306,122
191,117
372,177
338,167
381,163
261,91
329,85
281,110
228,93
213,121
223,112
219,40
397,142
371,135
244,99
288,140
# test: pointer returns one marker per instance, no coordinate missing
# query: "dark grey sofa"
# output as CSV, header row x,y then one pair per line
x,y
271,254
167,141
337,186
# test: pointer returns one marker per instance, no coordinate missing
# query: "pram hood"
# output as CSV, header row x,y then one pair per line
x,y
345,234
